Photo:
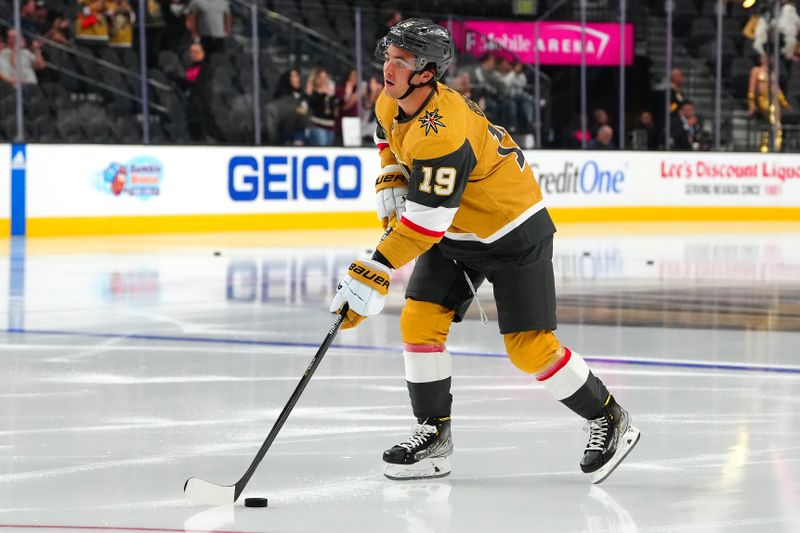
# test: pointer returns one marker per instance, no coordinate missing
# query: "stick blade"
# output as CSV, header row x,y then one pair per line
x,y
201,491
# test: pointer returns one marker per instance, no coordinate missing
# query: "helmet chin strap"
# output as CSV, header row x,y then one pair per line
x,y
412,86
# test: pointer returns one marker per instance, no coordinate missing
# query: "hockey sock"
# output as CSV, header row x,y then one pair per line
x,y
571,382
429,371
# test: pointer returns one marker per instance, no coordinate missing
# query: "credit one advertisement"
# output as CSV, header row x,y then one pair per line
x,y
107,181
559,43
5,181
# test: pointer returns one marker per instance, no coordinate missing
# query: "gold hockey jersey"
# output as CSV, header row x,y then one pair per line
x,y
470,188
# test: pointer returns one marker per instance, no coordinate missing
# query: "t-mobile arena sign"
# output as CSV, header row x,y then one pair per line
x,y
559,43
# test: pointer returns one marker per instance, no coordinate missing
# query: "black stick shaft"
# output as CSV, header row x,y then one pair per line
x,y
312,367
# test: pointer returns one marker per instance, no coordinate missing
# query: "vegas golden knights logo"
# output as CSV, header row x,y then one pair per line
x,y
431,121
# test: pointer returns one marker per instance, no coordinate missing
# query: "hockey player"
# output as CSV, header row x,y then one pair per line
x,y
457,195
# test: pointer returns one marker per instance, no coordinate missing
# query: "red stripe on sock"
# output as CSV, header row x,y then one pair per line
x,y
561,363
423,348
419,229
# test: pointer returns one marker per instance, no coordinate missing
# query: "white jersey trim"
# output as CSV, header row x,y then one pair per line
x,y
431,218
502,232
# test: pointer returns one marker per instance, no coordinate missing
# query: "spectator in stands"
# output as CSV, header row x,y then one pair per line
x,y
209,22
374,88
175,31
349,93
574,135
647,125
462,83
515,105
35,20
122,17
685,128
287,114
599,120
765,103
54,26
31,60
154,24
788,26
324,108
761,31
507,112
391,18
27,15
604,139
485,88
3,77
91,25
676,97
525,100
197,85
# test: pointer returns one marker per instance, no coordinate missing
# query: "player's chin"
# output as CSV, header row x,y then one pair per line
x,y
390,89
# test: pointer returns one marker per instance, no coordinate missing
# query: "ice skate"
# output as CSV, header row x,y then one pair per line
x,y
611,439
424,454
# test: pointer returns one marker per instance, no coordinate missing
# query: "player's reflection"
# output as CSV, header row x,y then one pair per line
x,y
431,509
612,518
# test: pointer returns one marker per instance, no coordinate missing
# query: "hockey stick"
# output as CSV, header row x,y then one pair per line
x,y
203,491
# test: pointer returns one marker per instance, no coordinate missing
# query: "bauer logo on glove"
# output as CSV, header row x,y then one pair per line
x,y
364,274
364,289
390,180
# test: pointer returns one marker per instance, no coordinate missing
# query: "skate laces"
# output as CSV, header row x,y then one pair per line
x,y
418,437
597,429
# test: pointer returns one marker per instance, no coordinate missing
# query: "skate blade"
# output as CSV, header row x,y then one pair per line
x,y
426,469
628,441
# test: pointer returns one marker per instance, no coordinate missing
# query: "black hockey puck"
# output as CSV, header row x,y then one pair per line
x,y
217,253
650,262
255,502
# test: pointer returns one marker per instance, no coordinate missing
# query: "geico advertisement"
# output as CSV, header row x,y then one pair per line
x,y
80,181
583,179
727,179
5,180
100,180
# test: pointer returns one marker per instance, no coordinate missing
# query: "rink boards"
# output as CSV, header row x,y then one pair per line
x,y
107,189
